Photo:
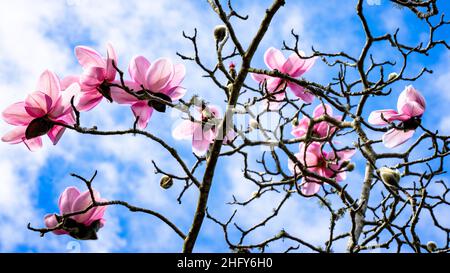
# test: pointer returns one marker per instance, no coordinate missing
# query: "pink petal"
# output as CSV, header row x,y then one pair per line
x,y
309,158
138,68
179,74
159,74
320,110
308,63
88,57
274,104
274,59
322,129
66,200
82,202
184,130
340,176
201,140
122,97
376,119
49,84
63,105
259,77
177,93
412,109
33,144
16,114
310,188
394,137
274,84
51,222
200,147
314,148
300,92
230,136
15,136
143,111
345,155
38,104
56,133
68,119
92,78
97,213
302,128
215,111
296,66
173,89
69,80
410,94
88,100
111,57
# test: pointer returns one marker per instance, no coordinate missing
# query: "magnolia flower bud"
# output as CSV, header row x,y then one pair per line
x,y
254,124
220,32
166,182
295,122
431,246
392,76
350,167
389,176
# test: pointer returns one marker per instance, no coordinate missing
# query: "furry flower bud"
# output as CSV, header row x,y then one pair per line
x,y
220,33
350,167
389,176
431,246
166,182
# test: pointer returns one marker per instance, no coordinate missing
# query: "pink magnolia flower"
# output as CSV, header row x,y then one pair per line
x,y
202,133
161,79
321,129
322,163
35,116
98,73
81,226
293,66
410,108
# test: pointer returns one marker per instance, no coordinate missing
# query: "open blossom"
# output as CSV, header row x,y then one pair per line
x,y
81,226
410,108
319,130
36,116
98,74
202,132
322,163
293,66
161,79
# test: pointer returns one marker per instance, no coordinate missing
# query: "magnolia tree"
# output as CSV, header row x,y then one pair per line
x,y
308,145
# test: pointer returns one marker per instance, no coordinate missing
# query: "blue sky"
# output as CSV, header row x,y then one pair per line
x,y
39,35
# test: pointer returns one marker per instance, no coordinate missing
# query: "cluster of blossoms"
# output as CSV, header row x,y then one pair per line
x,y
312,156
51,108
